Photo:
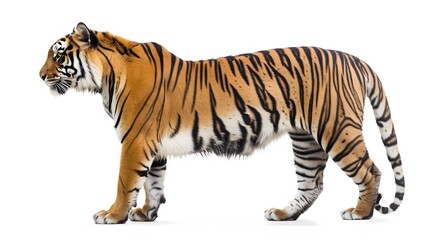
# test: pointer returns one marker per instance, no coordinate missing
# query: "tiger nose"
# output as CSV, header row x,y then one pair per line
x,y
42,73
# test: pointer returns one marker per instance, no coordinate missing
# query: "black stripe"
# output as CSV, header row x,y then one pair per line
x,y
377,100
206,78
239,102
198,141
178,71
241,106
390,141
307,189
355,166
159,51
109,80
230,61
275,115
306,151
319,75
242,70
398,157
134,53
172,65
304,174
307,52
254,60
159,162
82,70
219,127
394,206
111,83
243,140
217,72
400,182
212,98
120,47
106,48
304,137
399,196
350,146
339,128
202,76
189,69
269,70
154,175
255,124
146,156
301,91
141,173
159,117
177,128
119,117
285,60
384,118
306,167
195,92
297,55
134,190
153,150
396,163
325,116
148,52
267,101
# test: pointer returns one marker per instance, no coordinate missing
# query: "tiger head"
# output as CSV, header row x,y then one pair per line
x,y
69,63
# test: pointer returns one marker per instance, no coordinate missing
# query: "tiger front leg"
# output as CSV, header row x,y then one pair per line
x,y
132,175
154,189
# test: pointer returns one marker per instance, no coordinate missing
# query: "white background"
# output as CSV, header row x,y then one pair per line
x,y
59,156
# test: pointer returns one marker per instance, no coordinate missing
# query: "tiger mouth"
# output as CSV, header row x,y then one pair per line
x,y
52,80
58,84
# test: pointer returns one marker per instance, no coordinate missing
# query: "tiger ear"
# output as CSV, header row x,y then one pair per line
x,y
85,36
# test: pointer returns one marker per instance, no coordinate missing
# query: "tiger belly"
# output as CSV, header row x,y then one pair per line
x,y
236,138
178,145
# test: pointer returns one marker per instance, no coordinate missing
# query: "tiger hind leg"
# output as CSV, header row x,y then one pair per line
x,y
352,157
154,189
310,161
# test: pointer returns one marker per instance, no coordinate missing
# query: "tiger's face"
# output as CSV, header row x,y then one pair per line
x,y
67,65
59,72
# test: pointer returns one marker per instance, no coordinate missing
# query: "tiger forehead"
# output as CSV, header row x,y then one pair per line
x,y
62,45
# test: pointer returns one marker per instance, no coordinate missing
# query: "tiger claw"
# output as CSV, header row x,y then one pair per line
x,y
104,217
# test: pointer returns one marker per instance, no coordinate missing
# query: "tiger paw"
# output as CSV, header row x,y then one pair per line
x,y
353,214
274,214
105,217
144,214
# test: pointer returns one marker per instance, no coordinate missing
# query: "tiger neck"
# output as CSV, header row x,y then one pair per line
x,y
91,80
112,68
113,85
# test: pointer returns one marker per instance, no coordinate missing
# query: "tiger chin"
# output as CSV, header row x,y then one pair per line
x,y
164,106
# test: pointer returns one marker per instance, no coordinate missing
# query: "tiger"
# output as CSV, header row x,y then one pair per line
x,y
163,106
